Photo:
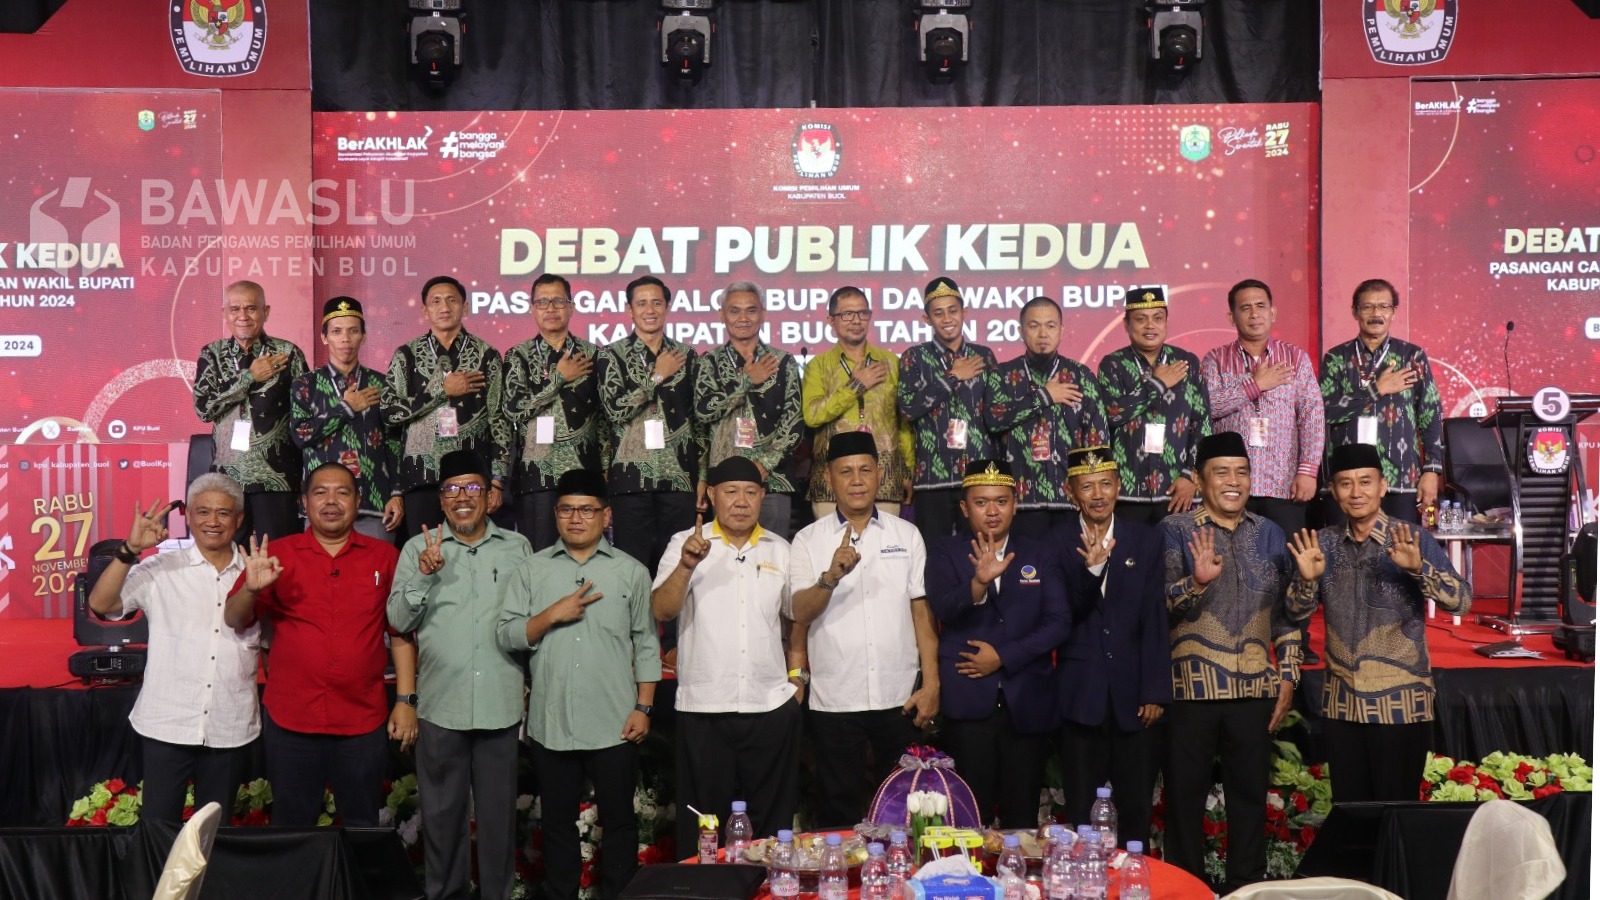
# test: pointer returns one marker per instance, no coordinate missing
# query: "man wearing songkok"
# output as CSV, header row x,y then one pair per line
x,y
582,608
196,712
1157,408
1235,659
552,408
1114,670
1379,390
747,397
941,395
1045,404
1373,576
738,713
448,588
856,581
337,419
851,389
241,387
1265,390
443,391
1002,606
326,711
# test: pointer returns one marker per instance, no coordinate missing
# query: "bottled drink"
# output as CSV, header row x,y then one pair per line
x,y
1012,886
1058,867
708,839
1103,816
898,864
1091,869
875,874
1011,859
1133,882
739,833
833,882
783,872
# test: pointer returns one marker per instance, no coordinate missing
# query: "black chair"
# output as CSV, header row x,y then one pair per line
x,y
201,452
1475,464
88,629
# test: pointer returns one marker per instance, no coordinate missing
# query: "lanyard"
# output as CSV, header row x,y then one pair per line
x,y
1144,364
434,346
342,383
861,399
1370,370
1054,367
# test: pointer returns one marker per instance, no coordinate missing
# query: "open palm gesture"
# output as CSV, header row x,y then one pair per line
x,y
987,561
1308,556
1404,549
1207,561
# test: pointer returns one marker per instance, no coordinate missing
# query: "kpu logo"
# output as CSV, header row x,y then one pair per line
x,y
817,150
218,38
1409,32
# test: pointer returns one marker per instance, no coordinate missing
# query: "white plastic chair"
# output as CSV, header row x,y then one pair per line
x,y
186,862
1313,889
1507,853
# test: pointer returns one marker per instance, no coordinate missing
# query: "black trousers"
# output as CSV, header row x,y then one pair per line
x,y
300,764
614,771
1141,513
845,780
168,769
938,512
723,757
273,514
536,518
458,772
1035,523
643,524
422,509
1004,768
1376,762
1092,755
1289,515
1400,507
1200,732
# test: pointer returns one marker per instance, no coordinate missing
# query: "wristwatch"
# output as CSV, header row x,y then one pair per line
x,y
803,675
657,378
408,699
644,708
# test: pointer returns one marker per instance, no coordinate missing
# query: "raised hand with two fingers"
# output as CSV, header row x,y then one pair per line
x,y
261,568
431,559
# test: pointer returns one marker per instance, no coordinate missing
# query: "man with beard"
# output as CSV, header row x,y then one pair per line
x,y
552,407
327,716
583,610
448,588
1003,610
196,712
337,419
241,386
941,395
443,390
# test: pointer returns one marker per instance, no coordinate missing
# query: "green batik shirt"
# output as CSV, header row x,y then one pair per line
x,y
761,422
630,400
327,430
534,389
1410,424
946,415
1136,400
414,400
1019,409
225,394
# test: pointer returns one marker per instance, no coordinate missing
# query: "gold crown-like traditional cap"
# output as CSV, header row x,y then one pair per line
x,y
940,287
342,306
1090,461
989,475
1146,298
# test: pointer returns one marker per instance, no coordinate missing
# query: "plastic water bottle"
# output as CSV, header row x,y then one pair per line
x,y
898,864
1011,859
1058,867
1103,816
1133,882
739,833
1091,869
875,874
833,882
783,872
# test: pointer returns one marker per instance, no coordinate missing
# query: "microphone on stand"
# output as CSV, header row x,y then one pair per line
x,y
1506,352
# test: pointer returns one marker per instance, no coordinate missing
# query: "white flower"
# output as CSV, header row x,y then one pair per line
x,y
385,817
1274,800
914,803
524,802
1058,796
589,816
586,850
941,804
410,829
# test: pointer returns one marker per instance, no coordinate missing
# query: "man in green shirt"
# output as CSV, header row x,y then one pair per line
x,y
583,608
447,588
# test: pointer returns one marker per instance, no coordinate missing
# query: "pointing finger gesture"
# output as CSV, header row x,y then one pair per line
x,y
695,546
845,557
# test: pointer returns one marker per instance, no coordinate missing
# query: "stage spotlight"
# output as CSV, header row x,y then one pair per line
x,y
1177,33
436,29
945,37
686,30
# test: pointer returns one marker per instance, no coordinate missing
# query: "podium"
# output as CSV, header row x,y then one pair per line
x,y
1539,446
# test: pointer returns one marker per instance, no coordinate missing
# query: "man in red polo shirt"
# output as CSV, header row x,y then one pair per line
x,y
326,715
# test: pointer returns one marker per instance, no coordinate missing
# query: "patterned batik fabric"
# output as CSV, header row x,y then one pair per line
x,y
1020,412
1136,398
328,430
933,400
1410,423
736,411
414,398
831,406
1237,637
630,399
535,388
225,393
1292,413
1376,616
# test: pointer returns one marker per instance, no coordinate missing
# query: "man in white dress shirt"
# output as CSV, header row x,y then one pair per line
x,y
856,579
197,710
727,584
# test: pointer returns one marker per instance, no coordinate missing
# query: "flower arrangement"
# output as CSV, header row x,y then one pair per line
x,y
927,809
115,802
1507,776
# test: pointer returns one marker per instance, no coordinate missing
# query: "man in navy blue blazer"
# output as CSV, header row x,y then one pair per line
x,y
1114,670
1003,607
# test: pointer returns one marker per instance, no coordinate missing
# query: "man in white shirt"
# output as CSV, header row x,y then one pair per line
x,y
856,578
197,710
727,584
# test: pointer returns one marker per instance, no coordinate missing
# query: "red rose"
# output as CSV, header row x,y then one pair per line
x,y
1546,790
586,878
76,823
99,817
1424,789
1300,804
1316,771
1462,774
1485,783
1307,835
188,812
116,785
1210,826
1522,772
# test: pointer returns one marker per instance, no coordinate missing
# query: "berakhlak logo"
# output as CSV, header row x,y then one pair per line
x,y
1194,142
218,38
51,246
817,150
1409,32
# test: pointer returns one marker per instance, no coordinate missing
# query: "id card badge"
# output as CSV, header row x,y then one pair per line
x,y
1367,430
1155,437
448,425
241,435
1257,436
1039,444
744,433
655,434
544,430
955,436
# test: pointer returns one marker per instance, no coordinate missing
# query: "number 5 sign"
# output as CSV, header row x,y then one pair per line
x,y
1551,404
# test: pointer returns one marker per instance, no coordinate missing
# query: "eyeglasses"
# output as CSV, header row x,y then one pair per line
x,y
456,490
586,513
1367,309
548,303
854,315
